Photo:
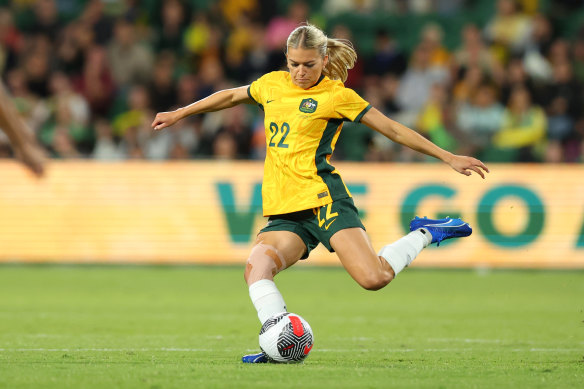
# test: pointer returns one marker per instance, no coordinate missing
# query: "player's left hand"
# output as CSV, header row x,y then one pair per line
x,y
464,165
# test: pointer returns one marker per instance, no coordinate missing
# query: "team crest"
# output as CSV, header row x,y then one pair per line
x,y
308,105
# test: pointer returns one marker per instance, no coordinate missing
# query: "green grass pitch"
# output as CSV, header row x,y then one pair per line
x,y
187,327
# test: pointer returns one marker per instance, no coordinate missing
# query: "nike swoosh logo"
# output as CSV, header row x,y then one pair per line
x,y
269,101
307,349
449,223
328,225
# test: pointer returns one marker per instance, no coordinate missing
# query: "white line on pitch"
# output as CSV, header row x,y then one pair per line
x,y
325,350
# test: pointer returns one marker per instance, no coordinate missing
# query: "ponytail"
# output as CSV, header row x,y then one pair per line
x,y
342,57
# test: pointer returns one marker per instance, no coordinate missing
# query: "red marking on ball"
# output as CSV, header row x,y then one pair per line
x,y
297,326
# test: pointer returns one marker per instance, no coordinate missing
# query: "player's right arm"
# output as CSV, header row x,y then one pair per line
x,y
21,138
226,98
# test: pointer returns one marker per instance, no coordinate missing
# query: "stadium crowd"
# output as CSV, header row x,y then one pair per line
x,y
89,78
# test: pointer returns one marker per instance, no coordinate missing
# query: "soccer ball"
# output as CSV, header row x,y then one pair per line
x,y
286,337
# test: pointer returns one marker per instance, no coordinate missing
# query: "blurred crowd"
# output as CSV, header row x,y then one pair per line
x,y
89,78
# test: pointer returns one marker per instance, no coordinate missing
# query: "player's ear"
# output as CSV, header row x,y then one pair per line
x,y
325,61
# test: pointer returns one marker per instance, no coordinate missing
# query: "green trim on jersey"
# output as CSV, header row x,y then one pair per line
x,y
251,97
360,116
334,182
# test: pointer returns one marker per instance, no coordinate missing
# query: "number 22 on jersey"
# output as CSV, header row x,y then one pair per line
x,y
284,130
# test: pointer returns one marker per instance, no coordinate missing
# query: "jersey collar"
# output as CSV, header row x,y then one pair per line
x,y
319,80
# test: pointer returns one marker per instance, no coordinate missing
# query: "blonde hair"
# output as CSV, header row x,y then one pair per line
x,y
342,55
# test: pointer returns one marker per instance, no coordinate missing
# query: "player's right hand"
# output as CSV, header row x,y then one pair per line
x,y
164,119
33,156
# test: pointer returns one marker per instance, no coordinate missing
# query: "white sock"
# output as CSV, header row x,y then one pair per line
x,y
401,253
266,299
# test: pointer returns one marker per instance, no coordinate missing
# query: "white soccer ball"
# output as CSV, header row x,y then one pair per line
x,y
286,337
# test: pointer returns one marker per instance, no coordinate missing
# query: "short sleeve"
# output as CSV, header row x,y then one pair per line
x,y
255,88
350,105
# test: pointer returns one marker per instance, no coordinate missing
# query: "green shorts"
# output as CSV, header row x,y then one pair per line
x,y
317,225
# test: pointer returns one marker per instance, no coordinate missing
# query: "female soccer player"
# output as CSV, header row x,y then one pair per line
x,y
303,195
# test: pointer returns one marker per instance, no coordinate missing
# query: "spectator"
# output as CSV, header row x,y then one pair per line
x,y
281,26
435,119
230,135
239,43
64,134
416,83
37,66
139,111
224,146
74,39
432,37
468,83
63,93
162,88
257,60
564,86
509,28
174,19
559,51
541,35
535,58
578,51
388,89
107,147
11,41
185,139
46,19
355,76
97,21
211,75
474,53
386,57
96,83
480,118
197,35
523,128
516,76
133,126
130,61
563,107
33,109
336,7
234,10
560,126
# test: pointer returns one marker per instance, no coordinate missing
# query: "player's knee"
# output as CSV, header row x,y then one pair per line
x,y
264,262
375,280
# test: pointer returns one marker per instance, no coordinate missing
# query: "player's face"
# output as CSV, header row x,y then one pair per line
x,y
305,66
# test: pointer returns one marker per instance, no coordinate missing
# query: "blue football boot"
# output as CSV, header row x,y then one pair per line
x,y
260,357
442,229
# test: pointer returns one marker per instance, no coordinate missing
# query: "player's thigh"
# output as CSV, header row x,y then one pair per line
x,y
289,245
358,257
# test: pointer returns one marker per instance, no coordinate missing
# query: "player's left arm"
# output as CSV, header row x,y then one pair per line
x,y
403,135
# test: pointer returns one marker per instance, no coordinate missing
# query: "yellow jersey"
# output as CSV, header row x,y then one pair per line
x,y
302,128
